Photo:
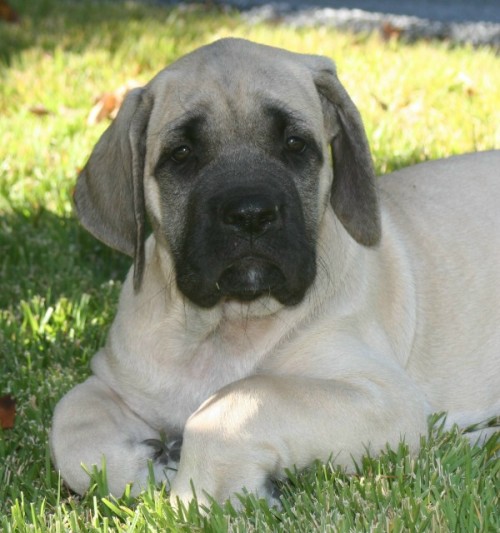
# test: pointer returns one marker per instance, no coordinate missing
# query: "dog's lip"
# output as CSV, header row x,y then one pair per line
x,y
246,279
249,278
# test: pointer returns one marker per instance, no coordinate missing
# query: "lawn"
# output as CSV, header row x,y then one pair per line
x,y
59,286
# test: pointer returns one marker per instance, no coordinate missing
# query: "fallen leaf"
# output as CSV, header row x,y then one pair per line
x,y
466,83
7,412
40,110
389,31
7,13
108,104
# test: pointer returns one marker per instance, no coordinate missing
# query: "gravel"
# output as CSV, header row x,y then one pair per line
x,y
457,21
439,23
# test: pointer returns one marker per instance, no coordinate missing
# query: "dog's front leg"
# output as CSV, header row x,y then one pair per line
x,y
254,429
92,423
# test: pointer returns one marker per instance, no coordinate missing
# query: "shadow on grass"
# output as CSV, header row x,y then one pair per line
x,y
75,25
47,261
44,254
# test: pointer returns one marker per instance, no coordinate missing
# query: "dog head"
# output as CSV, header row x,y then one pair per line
x,y
229,151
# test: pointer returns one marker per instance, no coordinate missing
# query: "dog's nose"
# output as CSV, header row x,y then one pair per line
x,y
251,214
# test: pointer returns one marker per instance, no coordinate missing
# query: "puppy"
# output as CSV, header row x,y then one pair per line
x,y
288,306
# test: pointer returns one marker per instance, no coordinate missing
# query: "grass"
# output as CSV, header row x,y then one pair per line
x,y
59,286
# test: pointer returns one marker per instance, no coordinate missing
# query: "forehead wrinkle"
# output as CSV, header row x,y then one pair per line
x,y
291,117
274,106
173,104
184,123
162,138
231,111
176,129
180,122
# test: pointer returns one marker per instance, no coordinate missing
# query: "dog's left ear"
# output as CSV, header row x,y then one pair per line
x,y
109,194
354,196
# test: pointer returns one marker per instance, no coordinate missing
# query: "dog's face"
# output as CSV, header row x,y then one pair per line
x,y
228,150
237,163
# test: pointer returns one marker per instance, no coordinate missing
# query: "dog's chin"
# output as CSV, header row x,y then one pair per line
x,y
250,278
233,310
252,288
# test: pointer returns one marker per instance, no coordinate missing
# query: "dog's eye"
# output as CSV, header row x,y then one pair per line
x,y
295,144
180,154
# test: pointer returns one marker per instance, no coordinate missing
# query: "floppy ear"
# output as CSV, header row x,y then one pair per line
x,y
109,193
354,195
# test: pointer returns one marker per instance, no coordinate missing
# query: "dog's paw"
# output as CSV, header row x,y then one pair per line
x,y
272,494
165,455
166,452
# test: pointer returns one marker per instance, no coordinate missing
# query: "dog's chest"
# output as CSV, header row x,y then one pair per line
x,y
176,374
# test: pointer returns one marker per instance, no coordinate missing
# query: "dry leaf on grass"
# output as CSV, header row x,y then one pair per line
x,y
40,110
7,13
389,31
107,104
465,82
7,412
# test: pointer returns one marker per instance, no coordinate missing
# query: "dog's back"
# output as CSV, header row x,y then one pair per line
x,y
449,214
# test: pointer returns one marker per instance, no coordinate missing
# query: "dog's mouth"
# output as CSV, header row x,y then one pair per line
x,y
246,279
250,278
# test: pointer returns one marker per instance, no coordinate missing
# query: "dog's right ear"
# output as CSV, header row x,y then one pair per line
x,y
354,196
109,194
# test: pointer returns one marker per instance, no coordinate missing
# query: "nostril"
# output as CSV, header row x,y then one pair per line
x,y
236,217
267,216
255,217
251,214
